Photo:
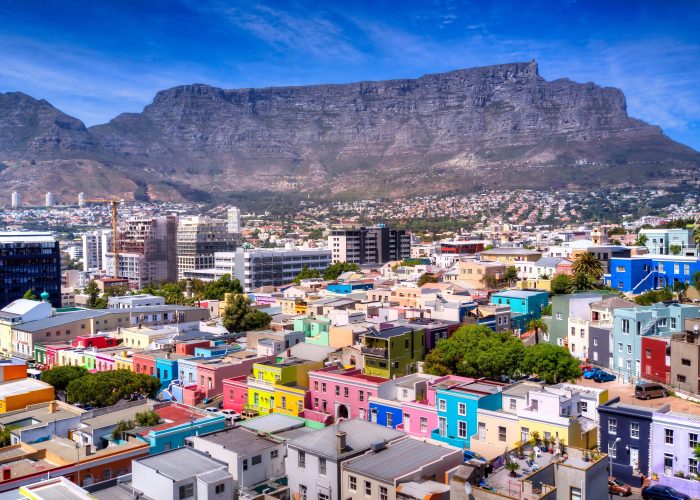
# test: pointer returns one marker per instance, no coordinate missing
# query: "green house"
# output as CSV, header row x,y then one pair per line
x,y
315,329
394,351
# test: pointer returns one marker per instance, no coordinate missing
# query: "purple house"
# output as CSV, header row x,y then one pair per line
x,y
674,437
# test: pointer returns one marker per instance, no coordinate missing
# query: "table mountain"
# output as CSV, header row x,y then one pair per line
x,y
499,125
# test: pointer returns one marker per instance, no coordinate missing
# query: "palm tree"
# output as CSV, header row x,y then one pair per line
x,y
586,263
511,275
641,240
696,235
538,326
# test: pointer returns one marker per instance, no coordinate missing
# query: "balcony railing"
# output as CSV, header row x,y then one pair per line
x,y
257,381
378,352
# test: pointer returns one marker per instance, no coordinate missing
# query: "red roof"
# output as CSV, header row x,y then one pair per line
x,y
175,415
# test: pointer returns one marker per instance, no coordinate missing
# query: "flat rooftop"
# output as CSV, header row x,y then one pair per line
x,y
181,463
240,440
21,386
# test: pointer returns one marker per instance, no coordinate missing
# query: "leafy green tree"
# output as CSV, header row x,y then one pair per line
x,y
476,351
511,275
547,311
696,234
334,270
307,274
411,262
561,284
172,293
582,282
217,290
147,418
29,295
60,376
696,280
653,296
239,316
675,249
587,263
108,387
427,278
642,240
6,435
95,299
551,363
489,281
121,427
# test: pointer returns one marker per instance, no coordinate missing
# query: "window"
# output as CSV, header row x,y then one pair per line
x,y
620,269
315,402
257,459
187,490
462,409
583,407
462,429
629,349
513,404
389,419
423,424
685,362
352,483
648,353
625,326
634,430
673,323
362,395
368,489
612,449
668,436
346,392
302,492
323,387
274,453
535,405
612,425
558,315
680,378
302,460
442,405
692,466
573,331
595,342
245,464
337,390
322,466
668,464
315,385
383,494
692,440
219,489
501,433
575,493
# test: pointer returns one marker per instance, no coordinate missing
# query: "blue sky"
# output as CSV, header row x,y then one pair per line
x,y
96,59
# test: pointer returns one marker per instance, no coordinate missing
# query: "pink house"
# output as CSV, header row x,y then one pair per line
x,y
341,393
235,393
421,417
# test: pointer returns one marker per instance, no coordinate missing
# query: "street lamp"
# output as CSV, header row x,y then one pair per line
x,y
611,459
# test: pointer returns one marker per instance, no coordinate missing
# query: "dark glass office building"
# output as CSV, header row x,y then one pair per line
x,y
29,261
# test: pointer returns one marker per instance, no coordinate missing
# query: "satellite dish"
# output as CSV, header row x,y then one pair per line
x,y
468,488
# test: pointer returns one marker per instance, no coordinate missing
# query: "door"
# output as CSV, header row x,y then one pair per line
x,y
634,458
407,422
482,431
442,426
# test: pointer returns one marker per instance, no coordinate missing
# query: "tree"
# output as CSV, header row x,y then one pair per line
x,y
680,287
239,316
696,234
6,435
551,363
587,263
29,295
427,278
334,270
675,249
653,296
561,284
641,240
217,290
108,387
583,281
61,376
121,427
95,299
547,311
696,280
306,274
476,351
489,281
147,418
511,275
538,326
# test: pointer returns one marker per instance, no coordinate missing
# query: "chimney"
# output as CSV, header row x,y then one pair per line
x,y
88,449
53,406
6,473
341,440
289,353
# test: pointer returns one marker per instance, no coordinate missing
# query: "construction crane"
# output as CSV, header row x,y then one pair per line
x,y
114,205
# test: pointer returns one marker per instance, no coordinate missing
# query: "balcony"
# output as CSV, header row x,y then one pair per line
x,y
377,352
259,382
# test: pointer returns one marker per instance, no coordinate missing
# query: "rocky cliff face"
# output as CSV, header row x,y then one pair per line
x,y
457,130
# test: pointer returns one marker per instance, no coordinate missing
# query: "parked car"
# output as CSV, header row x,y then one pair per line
x,y
212,409
231,415
617,487
591,373
661,492
648,390
602,376
472,455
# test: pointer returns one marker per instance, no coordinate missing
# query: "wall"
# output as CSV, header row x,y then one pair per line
x,y
679,452
383,411
309,476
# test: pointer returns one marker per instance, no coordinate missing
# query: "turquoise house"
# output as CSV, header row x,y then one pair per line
x,y
457,400
181,422
316,330
524,305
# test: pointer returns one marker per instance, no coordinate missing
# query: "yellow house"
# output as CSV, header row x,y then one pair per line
x,y
290,399
510,255
267,377
293,306
141,337
123,361
535,284
19,394
498,432
5,339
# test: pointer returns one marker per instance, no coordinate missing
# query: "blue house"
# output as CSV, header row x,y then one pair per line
x,y
346,288
624,433
457,400
642,273
524,305
385,412
631,324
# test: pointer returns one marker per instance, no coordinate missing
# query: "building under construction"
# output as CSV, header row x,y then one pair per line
x,y
198,239
147,251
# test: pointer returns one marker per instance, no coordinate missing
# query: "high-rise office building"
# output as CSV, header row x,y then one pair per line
x,y
81,199
29,261
95,245
147,251
16,199
198,238
273,267
369,245
50,199
234,220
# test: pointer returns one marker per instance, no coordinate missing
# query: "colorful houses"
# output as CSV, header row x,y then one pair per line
x,y
393,351
524,305
641,273
674,438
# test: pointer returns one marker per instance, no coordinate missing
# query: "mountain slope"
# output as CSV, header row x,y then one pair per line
x,y
499,125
